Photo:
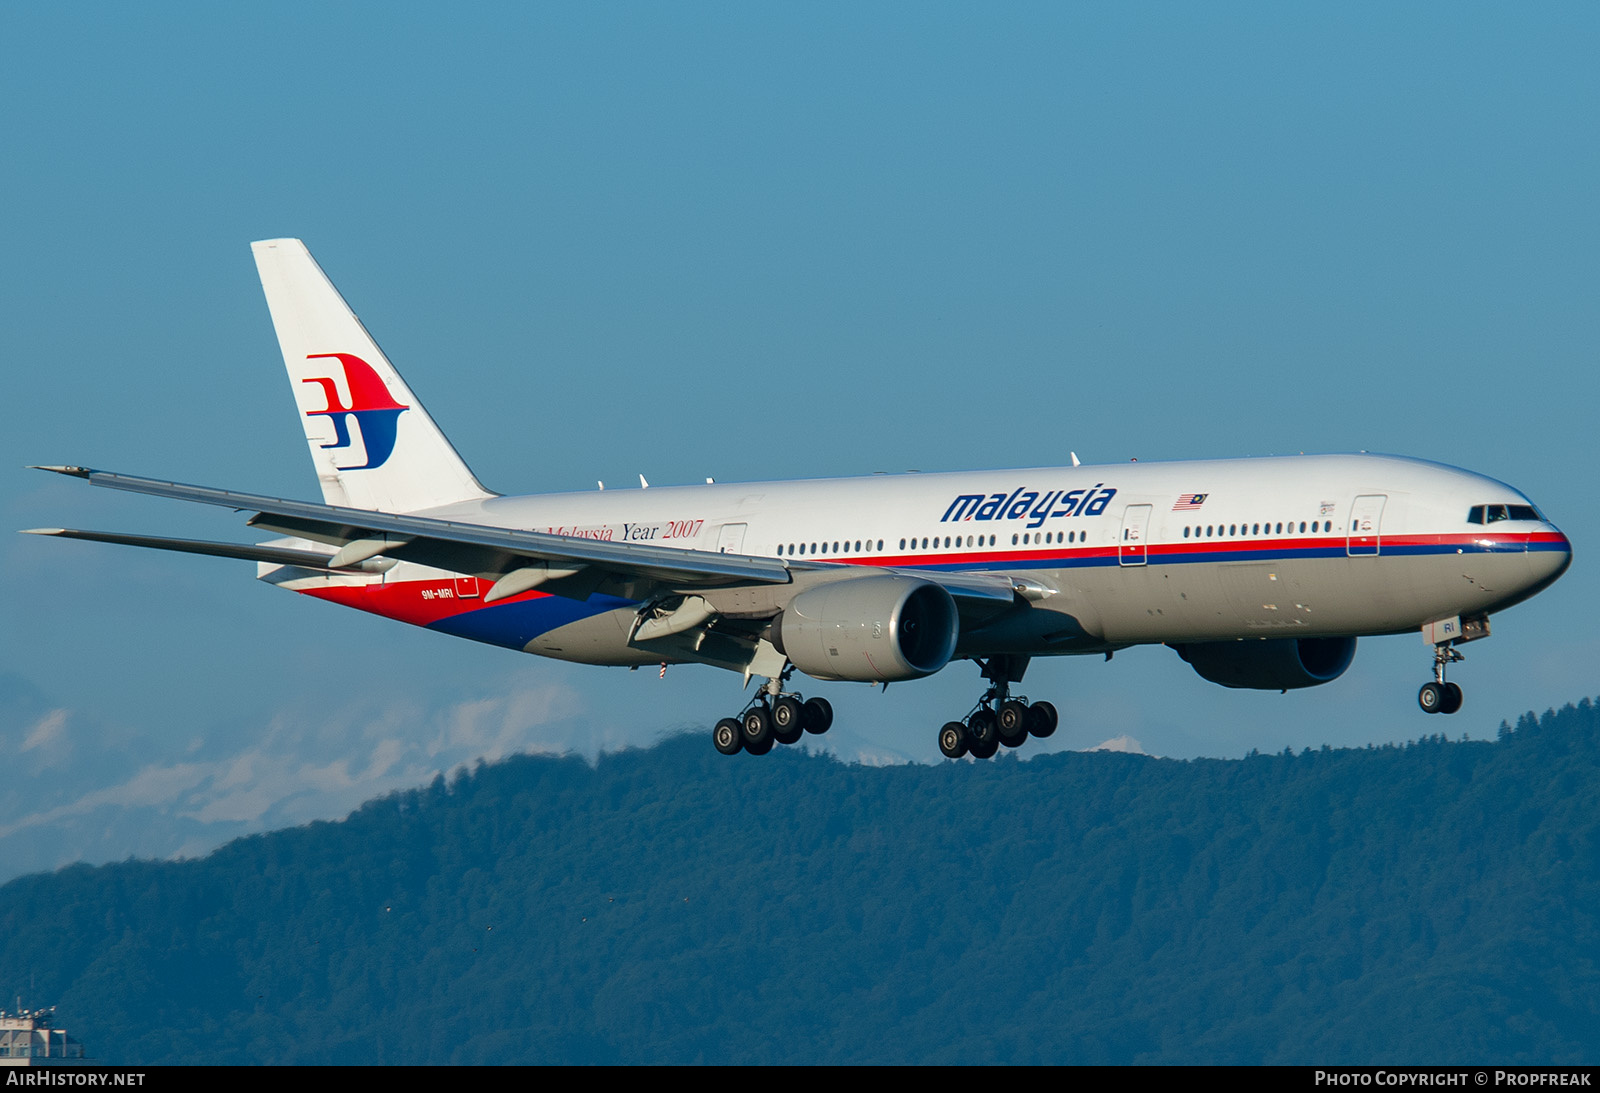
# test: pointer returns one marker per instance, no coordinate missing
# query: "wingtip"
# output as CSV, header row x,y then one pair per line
x,y
75,472
43,531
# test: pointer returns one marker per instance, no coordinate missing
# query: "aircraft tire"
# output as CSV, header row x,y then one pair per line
x,y
728,736
818,715
757,726
984,751
1452,698
1043,719
953,740
1013,723
982,731
787,718
1431,697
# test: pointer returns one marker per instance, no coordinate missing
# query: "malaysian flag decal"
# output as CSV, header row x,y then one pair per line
x,y
1189,501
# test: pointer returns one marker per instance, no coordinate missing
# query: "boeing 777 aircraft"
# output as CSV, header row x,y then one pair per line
x,y
1258,572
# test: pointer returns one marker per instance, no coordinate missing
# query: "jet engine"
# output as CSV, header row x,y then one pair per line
x,y
869,629
1275,664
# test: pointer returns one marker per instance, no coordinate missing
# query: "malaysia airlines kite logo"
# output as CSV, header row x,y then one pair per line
x,y
375,410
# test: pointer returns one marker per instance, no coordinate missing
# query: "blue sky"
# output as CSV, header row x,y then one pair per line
x,y
749,242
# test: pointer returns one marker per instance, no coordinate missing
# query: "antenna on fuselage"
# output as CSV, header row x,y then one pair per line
x,y
1074,456
643,485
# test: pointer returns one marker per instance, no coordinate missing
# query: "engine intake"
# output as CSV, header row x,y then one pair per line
x,y
1277,664
869,629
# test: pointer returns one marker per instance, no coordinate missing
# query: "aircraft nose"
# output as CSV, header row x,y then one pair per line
x,y
1549,553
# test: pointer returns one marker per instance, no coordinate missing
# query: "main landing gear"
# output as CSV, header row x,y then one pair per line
x,y
1440,696
773,716
998,719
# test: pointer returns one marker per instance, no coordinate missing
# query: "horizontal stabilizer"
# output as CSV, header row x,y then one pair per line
x,y
250,552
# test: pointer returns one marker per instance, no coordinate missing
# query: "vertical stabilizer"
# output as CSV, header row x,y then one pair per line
x,y
373,445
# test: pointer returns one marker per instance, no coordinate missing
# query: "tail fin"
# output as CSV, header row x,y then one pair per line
x,y
373,444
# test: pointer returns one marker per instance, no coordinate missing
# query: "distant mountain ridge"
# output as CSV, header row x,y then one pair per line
x,y
1433,902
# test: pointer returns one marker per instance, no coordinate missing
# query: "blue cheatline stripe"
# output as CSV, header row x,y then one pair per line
x,y
518,622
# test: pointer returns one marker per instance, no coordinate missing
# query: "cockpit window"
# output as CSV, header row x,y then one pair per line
x,y
1493,514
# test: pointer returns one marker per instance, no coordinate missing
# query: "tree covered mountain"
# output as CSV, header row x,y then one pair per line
x,y
1425,903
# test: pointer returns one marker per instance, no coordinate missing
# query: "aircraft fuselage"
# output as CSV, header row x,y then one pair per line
x,y
1123,554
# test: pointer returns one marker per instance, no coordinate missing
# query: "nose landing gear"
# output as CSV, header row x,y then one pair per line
x,y
1441,696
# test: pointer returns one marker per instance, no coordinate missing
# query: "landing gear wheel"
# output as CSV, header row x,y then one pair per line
x,y
1013,723
787,717
984,751
983,733
818,715
728,736
757,726
1440,696
1043,719
953,740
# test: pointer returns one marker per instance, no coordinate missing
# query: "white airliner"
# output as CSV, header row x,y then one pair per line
x,y
1258,572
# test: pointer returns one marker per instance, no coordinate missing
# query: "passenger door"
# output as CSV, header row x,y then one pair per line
x,y
1365,537
1135,528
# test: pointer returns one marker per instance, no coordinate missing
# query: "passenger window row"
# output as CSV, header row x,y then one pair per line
x,y
1210,531
842,546
947,542
1478,515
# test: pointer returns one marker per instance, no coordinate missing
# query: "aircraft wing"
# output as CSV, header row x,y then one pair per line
x,y
515,560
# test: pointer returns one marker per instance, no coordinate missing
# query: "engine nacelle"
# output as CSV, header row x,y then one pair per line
x,y
869,629
1276,664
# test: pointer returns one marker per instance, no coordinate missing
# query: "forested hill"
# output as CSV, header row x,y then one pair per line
x,y
1429,903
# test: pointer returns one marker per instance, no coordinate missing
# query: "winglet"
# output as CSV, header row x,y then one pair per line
x,y
75,472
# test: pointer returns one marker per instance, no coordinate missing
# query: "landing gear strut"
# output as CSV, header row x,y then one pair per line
x,y
1441,696
998,719
772,716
